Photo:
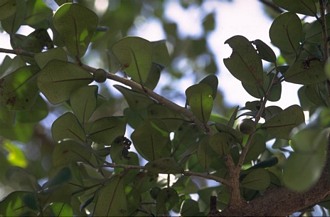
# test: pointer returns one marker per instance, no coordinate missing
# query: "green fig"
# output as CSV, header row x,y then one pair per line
x,y
247,126
100,75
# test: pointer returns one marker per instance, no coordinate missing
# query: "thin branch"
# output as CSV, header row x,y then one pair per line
x,y
272,6
160,99
324,29
17,52
207,176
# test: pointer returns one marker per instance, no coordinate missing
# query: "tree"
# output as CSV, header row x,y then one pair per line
x,y
266,160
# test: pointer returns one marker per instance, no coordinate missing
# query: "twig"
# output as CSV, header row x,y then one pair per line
x,y
17,52
207,176
324,29
160,99
272,6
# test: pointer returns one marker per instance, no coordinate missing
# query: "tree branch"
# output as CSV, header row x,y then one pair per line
x,y
17,52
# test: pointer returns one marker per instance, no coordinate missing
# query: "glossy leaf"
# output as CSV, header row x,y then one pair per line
x,y
105,130
70,151
303,170
58,79
150,141
305,72
111,199
68,127
306,7
76,24
244,62
257,179
19,90
83,102
286,32
200,100
135,56
264,51
7,8
282,123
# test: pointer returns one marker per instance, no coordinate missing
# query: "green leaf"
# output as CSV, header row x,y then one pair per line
x,y
15,156
257,179
221,143
257,147
37,112
264,51
159,112
308,139
19,90
306,7
12,23
105,130
302,170
165,165
167,198
53,54
286,32
58,79
205,153
16,204
282,123
19,132
38,14
200,100
135,100
305,72
59,178
153,76
83,102
189,208
111,199
7,8
68,127
212,81
70,151
76,25
135,56
150,141
244,62
160,53
61,209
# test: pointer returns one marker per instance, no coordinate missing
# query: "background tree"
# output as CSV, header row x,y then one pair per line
x,y
67,136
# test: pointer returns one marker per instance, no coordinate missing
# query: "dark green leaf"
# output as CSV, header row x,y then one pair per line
x,y
76,24
14,204
244,62
282,123
7,8
171,119
212,81
58,79
166,200
111,199
18,90
264,51
68,127
12,23
200,100
37,112
257,147
189,208
60,177
53,54
221,143
164,165
286,32
306,7
38,15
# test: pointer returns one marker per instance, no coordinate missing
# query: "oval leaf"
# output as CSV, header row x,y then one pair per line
x,y
257,179
244,63
76,25
58,79
200,100
306,7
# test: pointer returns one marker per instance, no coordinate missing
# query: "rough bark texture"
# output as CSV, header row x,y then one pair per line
x,y
281,201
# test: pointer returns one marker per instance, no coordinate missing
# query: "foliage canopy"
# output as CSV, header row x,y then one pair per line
x,y
84,162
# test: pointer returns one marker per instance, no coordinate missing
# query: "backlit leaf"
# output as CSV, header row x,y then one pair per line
x,y
111,199
286,32
53,54
244,62
105,130
14,204
306,7
83,102
58,79
135,56
200,100
257,179
281,124
68,127
212,81
18,90
264,51
76,24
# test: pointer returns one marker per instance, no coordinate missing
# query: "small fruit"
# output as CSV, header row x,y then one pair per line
x,y
100,75
247,126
